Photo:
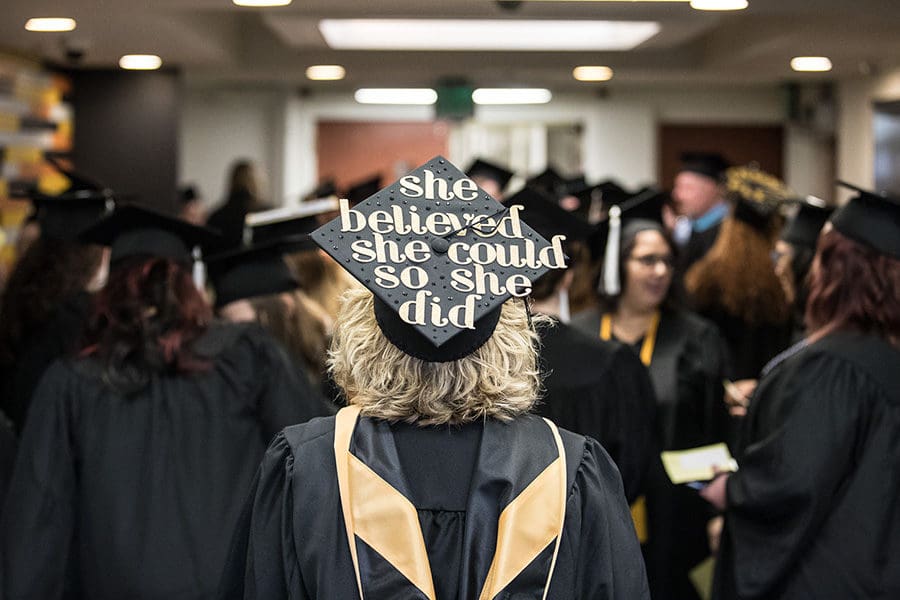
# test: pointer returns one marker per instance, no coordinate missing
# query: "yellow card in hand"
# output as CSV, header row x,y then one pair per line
x,y
697,464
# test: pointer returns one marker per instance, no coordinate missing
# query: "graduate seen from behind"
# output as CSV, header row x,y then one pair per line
x,y
137,454
814,509
435,482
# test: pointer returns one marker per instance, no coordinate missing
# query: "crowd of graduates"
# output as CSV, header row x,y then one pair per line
x,y
148,360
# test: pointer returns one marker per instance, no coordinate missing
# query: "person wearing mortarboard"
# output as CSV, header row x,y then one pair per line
x,y
46,300
699,198
490,177
435,482
246,195
735,286
190,205
794,252
684,355
814,509
143,446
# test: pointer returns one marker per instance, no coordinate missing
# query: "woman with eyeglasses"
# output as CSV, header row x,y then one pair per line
x,y
683,354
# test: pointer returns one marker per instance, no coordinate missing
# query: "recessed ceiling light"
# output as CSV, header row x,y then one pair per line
x,y
811,63
511,96
592,73
477,34
719,4
325,72
261,3
395,96
140,62
50,24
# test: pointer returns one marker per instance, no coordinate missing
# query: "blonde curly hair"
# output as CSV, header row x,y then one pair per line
x,y
500,380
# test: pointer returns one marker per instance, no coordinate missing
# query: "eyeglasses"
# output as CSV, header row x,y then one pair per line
x,y
651,260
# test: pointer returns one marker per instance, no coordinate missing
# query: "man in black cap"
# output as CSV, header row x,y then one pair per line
x,y
436,482
698,196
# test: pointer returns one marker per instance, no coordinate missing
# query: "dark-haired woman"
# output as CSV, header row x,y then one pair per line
x,y
814,510
683,354
43,311
137,456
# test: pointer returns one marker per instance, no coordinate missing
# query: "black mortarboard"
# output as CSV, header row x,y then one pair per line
x,y
489,170
63,216
547,217
638,213
441,256
269,225
136,231
258,270
708,164
548,181
358,192
804,228
187,194
757,196
325,189
871,219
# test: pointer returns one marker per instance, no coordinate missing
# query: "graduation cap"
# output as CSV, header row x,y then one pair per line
x,y
132,230
871,219
757,195
803,229
489,170
638,213
708,164
270,225
258,270
364,189
547,217
65,215
440,256
187,194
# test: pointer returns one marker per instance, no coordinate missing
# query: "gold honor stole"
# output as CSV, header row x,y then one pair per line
x,y
382,517
639,508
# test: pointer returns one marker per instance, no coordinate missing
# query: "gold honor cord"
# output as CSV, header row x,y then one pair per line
x,y
649,337
639,507
388,522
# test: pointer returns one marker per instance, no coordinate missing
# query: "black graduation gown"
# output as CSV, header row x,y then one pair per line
x,y
59,337
814,511
601,389
136,496
697,246
686,371
292,540
749,347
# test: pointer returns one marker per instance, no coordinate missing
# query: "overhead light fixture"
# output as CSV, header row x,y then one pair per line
x,y
719,4
325,72
422,96
592,73
50,24
511,96
814,64
261,3
485,34
140,62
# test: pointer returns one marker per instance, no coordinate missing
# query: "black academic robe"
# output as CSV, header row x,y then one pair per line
x,y
57,338
135,496
697,246
292,540
814,510
749,347
601,389
686,370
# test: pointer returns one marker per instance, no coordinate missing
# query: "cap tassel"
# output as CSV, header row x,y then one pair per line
x,y
199,270
611,257
565,314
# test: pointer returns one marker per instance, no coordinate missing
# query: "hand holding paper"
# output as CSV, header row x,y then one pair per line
x,y
698,464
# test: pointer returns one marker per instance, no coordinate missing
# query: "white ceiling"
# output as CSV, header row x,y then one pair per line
x,y
216,42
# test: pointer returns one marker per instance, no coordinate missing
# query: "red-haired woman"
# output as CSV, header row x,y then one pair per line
x,y
814,511
137,456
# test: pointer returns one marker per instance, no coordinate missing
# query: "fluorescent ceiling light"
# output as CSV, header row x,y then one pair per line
x,y
811,63
140,62
511,96
395,96
50,24
261,3
477,34
325,72
592,73
719,4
